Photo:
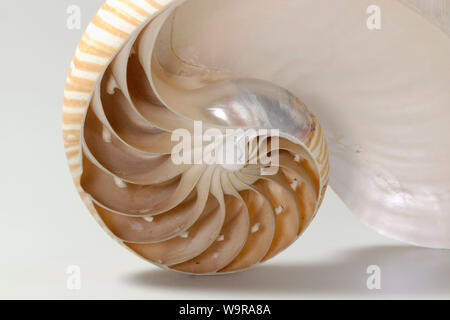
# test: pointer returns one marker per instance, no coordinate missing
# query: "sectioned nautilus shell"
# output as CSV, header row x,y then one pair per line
x,y
147,68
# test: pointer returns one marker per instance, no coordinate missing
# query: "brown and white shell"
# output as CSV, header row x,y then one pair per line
x,y
122,104
145,68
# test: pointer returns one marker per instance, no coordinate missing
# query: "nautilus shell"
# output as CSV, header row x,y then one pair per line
x,y
375,125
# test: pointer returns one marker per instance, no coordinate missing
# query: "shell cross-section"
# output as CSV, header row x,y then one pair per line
x,y
127,96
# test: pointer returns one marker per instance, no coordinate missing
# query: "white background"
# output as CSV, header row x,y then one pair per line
x,y
45,227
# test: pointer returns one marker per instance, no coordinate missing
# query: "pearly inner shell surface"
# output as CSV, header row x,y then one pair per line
x,y
145,68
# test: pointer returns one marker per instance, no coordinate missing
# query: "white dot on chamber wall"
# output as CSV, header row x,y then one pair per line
x,y
149,219
255,228
215,255
184,235
279,210
297,158
159,261
294,184
106,135
221,238
111,85
119,183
